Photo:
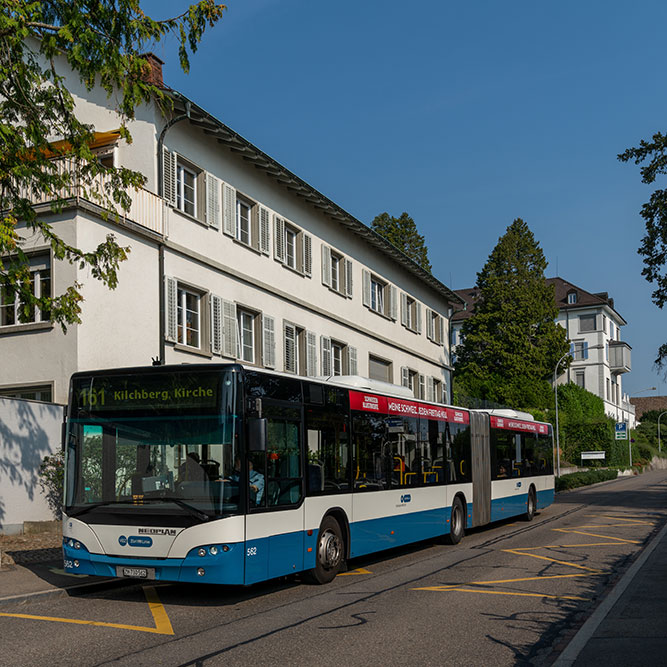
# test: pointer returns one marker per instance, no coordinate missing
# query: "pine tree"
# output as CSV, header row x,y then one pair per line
x,y
402,232
511,344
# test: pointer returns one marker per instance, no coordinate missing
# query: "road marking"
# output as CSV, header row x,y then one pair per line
x,y
519,552
529,595
605,537
162,622
351,573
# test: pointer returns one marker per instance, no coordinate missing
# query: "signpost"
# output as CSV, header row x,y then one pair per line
x,y
622,434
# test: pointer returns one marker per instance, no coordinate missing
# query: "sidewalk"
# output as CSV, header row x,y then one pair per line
x,y
630,625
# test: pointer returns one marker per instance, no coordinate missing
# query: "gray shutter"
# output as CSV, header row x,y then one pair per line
x,y
216,324
213,212
405,376
264,224
169,176
422,386
366,287
352,360
429,324
311,354
268,342
418,315
229,329
290,348
348,278
279,238
441,329
326,265
171,309
325,345
404,309
430,390
393,302
228,210
307,255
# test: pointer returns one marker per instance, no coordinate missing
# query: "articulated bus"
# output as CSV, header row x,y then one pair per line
x,y
231,475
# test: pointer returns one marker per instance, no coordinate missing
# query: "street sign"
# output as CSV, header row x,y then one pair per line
x,y
621,431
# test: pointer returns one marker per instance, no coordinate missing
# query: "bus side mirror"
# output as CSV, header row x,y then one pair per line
x,y
257,428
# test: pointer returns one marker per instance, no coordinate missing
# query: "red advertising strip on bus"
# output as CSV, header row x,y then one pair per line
x,y
399,406
518,425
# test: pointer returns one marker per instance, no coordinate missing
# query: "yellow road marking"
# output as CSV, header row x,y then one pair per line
x,y
518,552
605,537
622,518
162,623
531,595
453,587
359,570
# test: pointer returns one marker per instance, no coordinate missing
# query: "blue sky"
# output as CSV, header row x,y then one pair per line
x,y
466,115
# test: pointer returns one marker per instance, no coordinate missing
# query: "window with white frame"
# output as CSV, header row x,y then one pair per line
x,y
300,348
412,380
186,315
411,313
579,350
186,190
586,323
571,298
29,392
337,358
292,247
189,318
435,327
12,310
580,379
379,296
336,271
243,221
248,342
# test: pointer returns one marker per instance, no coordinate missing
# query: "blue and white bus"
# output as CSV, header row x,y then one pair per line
x,y
231,475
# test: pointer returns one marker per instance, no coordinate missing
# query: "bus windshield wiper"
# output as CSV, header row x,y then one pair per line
x,y
202,516
92,506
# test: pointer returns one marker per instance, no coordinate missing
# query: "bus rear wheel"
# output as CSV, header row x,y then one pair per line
x,y
329,554
456,523
531,505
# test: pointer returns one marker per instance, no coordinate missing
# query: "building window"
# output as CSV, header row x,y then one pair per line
x,y
572,298
579,379
411,379
607,388
338,358
336,272
438,396
292,247
379,296
380,369
189,318
34,393
291,236
186,190
435,327
12,310
246,338
337,351
411,313
579,350
586,323
300,348
243,221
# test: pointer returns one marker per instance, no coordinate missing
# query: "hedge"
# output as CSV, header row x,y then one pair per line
x,y
575,479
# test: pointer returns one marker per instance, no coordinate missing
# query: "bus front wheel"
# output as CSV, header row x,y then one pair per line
x,y
456,523
329,552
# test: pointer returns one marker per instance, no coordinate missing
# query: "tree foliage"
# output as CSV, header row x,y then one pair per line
x,y
511,344
652,154
101,42
402,232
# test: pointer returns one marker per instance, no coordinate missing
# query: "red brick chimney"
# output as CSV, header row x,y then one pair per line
x,y
154,71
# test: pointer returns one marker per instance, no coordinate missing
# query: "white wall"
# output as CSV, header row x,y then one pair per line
x,y
29,431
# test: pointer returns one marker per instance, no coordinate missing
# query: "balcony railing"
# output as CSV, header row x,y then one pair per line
x,y
146,209
619,357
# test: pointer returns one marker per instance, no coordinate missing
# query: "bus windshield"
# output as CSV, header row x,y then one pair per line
x,y
163,442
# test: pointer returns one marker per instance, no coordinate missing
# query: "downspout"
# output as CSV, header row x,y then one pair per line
x,y
160,192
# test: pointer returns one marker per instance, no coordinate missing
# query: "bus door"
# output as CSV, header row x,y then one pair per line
x,y
275,518
481,468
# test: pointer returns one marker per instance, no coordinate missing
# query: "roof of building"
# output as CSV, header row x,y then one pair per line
x,y
562,289
213,127
645,403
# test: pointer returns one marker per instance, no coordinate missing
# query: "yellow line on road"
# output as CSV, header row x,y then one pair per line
x,y
604,537
452,587
529,595
359,570
162,623
518,552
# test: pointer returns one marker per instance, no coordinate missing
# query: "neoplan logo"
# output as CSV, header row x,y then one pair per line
x,y
158,531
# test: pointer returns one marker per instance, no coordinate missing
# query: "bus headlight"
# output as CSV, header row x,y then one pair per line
x,y
213,550
201,571
76,563
201,551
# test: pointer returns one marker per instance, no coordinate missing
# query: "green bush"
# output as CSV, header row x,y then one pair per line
x,y
51,481
575,479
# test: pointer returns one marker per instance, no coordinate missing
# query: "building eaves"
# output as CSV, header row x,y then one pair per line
x,y
213,127
584,299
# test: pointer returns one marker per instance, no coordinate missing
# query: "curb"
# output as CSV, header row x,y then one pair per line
x,y
569,656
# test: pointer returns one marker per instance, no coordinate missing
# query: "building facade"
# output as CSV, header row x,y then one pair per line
x,y
233,258
593,327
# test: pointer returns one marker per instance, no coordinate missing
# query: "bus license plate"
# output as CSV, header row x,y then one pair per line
x,y
136,572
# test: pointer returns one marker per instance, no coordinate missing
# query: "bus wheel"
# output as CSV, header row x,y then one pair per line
x,y
531,504
457,523
329,556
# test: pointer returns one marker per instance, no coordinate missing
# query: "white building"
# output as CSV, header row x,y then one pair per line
x,y
593,328
233,258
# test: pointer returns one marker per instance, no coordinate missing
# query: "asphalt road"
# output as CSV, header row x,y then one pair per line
x,y
509,594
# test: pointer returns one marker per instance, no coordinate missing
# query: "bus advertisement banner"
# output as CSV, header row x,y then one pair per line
x,y
519,425
400,407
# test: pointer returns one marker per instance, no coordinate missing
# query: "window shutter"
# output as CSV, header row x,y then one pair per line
x,y
429,324
311,354
307,255
441,329
393,303
352,360
325,344
228,210
216,324
326,265
213,213
430,390
348,278
279,239
422,386
268,342
584,350
229,329
290,348
405,376
170,309
169,176
404,309
366,287
418,315
572,350
264,224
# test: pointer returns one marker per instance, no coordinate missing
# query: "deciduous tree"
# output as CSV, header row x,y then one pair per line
x,y
101,42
